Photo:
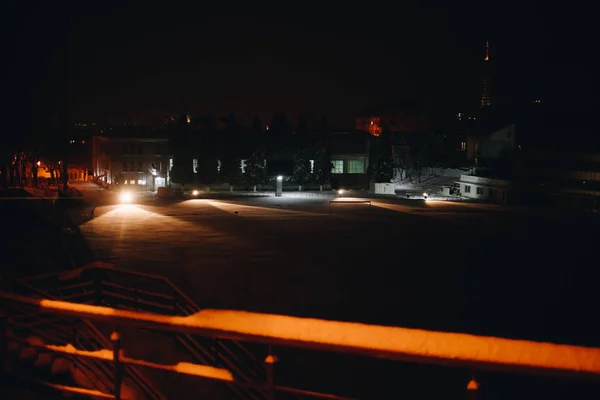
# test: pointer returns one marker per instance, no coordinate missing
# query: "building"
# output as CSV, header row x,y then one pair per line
x,y
139,159
350,159
483,188
396,117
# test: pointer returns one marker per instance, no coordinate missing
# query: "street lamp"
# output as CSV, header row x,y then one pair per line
x,y
279,186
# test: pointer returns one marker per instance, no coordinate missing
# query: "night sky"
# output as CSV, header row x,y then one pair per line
x,y
139,64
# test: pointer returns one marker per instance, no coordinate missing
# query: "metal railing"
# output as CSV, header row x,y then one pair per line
x,y
402,344
79,332
101,284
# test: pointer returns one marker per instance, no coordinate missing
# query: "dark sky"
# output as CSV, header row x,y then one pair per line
x,y
135,63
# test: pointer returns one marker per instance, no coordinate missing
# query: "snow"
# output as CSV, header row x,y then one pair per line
x,y
373,340
106,354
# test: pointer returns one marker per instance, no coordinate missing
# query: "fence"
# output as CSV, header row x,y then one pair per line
x,y
515,356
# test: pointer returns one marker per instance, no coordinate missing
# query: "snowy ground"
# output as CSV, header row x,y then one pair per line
x,y
432,265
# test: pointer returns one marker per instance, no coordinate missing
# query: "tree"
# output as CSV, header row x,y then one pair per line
x,y
382,160
255,172
302,128
323,166
301,173
182,171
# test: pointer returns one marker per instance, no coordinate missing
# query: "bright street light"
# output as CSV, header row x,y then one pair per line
x,y
195,193
280,178
126,197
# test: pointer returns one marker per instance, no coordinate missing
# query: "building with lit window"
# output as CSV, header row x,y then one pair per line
x,y
350,159
139,159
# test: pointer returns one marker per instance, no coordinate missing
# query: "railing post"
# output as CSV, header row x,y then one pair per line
x,y
472,388
270,361
3,341
115,337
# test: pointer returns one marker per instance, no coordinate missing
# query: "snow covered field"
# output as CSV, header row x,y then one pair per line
x,y
431,265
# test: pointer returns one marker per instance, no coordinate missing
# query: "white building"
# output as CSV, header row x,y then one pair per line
x,y
478,187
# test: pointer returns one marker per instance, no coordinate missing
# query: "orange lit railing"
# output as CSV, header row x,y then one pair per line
x,y
484,353
81,333
101,284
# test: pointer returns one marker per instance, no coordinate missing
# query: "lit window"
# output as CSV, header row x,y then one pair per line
x,y
243,166
338,166
467,188
195,165
170,164
312,166
356,167
139,181
479,190
463,146
125,182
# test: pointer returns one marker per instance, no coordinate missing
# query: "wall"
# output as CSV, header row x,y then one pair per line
x,y
139,156
484,188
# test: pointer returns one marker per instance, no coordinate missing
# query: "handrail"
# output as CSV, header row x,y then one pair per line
x,y
97,336
71,274
117,356
403,344
180,302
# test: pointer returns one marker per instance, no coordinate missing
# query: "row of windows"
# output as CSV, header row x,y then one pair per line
x,y
354,167
137,148
131,167
134,182
479,190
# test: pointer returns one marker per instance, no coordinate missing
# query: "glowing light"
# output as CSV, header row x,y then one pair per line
x,y
195,193
279,178
341,191
487,50
39,163
126,197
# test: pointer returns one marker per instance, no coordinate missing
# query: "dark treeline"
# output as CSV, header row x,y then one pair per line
x,y
229,152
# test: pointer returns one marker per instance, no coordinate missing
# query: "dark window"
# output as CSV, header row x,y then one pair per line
x,y
158,149
125,149
479,190
132,166
139,149
467,188
132,149
124,167
140,167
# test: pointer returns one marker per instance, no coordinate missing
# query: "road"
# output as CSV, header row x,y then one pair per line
x,y
469,268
